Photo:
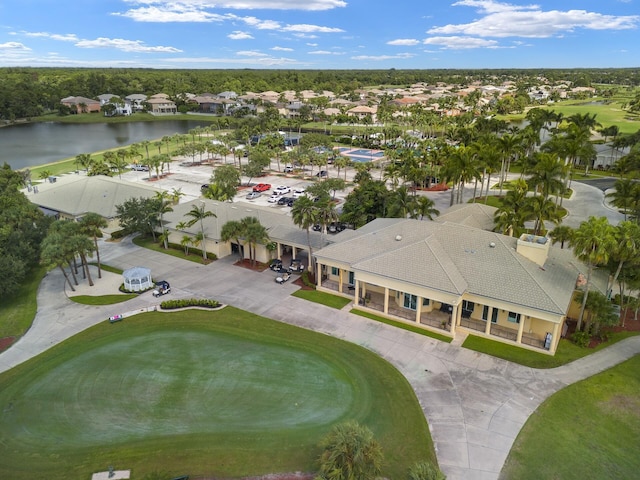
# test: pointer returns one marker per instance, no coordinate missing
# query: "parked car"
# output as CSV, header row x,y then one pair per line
x,y
335,227
322,174
253,195
283,278
281,190
162,288
298,192
262,187
285,200
205,186
288,169
139,168
274,198
296,265
276,265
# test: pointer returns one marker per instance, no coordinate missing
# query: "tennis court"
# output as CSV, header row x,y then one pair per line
x,y
361,155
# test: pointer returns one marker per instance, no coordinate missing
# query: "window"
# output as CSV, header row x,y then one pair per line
x,y
352,278
513,317
425,302
410,301
485,313
335,271
467,305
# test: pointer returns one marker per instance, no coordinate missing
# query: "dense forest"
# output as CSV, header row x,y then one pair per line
x,y
29,92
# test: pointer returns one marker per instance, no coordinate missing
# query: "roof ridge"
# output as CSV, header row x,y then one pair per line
x,y
427,240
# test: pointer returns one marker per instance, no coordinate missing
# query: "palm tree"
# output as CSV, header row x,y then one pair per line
x,y
540,209
592,242
401,203
425,471
547,174
350,453
232,230
186,241
425,207
623,194
198,214
562,234
254,233
305,214
83,160
53,254
164,206
91,224
627,249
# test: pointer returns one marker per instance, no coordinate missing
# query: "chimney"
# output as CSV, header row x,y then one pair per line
x,y
533,247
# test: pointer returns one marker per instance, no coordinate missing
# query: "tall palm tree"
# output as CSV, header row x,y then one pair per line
x,y
305,214
540,209
164,206
254,233
198,214
592,242
91,224
623,194
53,254
401,204
627,249
232,230
547,175
562,234
425,207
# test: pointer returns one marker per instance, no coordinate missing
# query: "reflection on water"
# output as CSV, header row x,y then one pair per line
x,y
39,143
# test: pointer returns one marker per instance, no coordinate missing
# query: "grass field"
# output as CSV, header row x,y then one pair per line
x,y
222,393
588,430
17,312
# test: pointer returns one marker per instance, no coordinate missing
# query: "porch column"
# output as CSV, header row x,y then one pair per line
x,y
386,300
418,309
554,340
294,252
356,295
452,327
279,251
340,280
454,315
520,329
487,327
319,275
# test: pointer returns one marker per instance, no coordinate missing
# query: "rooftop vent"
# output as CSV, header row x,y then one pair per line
x,y
492,245
398,238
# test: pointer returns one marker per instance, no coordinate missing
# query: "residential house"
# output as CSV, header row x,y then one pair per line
x,y
81,104
160,104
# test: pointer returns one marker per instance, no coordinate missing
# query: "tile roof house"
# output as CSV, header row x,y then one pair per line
x,y
81,104
455,277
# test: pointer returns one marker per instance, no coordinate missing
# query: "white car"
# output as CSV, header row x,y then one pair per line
x,y
298,192
273,198
281,190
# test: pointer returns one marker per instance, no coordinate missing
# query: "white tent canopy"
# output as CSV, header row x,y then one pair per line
x,y
137,279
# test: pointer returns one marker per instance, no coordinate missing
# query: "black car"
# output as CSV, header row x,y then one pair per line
x,y
288,201
322,174
205,186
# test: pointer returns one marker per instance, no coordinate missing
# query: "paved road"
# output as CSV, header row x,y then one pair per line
x,y
475,404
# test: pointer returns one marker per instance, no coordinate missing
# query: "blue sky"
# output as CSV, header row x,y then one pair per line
x,y
319,34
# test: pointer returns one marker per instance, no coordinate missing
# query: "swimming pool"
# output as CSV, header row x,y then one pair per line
x,y
361,155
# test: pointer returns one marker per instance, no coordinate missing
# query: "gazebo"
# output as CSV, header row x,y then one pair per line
x,y
137,279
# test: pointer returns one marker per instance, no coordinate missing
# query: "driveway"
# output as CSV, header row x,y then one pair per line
x,y
475,404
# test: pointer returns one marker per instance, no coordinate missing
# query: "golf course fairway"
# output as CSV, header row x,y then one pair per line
x,y
223,393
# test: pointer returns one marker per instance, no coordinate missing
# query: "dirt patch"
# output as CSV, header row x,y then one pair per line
x,y
623,405
6,342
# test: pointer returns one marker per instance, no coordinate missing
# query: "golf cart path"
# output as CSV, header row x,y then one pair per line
x,y
475,404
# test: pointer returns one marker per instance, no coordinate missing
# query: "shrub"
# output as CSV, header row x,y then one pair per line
x,y
306,279
425,471
581,339
117,234
189,302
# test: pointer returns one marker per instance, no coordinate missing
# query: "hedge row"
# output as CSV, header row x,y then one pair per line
x,y
189,302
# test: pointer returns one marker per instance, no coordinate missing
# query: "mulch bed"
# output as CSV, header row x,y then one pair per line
x,y
271,476
246,263
6,342
630,325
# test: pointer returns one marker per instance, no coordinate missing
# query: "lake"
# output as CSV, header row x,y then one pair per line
x,y
34,144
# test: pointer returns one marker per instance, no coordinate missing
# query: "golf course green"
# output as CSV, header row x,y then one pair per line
x,y
223,393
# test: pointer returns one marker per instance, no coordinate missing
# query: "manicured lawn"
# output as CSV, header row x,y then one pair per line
x,y
102,299
587,430
333,301
404,326
195,255
567,352
223,394
17,312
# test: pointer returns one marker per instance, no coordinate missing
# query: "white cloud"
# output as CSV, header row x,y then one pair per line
x,y
13,46
405,42
303,28
312,44
238,35
459,43
251,53
69,37
324,52
282,49
309,5
175,12
506,20
399,56
200,62
124,45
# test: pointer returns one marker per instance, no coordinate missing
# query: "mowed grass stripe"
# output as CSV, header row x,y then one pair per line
x,y
223,393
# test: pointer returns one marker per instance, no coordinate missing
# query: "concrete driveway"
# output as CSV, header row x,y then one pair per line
x,y
475,404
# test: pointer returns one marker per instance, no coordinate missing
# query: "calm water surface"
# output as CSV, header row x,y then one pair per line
x,y
39,143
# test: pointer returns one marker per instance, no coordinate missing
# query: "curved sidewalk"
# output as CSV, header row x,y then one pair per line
x,y
475,404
